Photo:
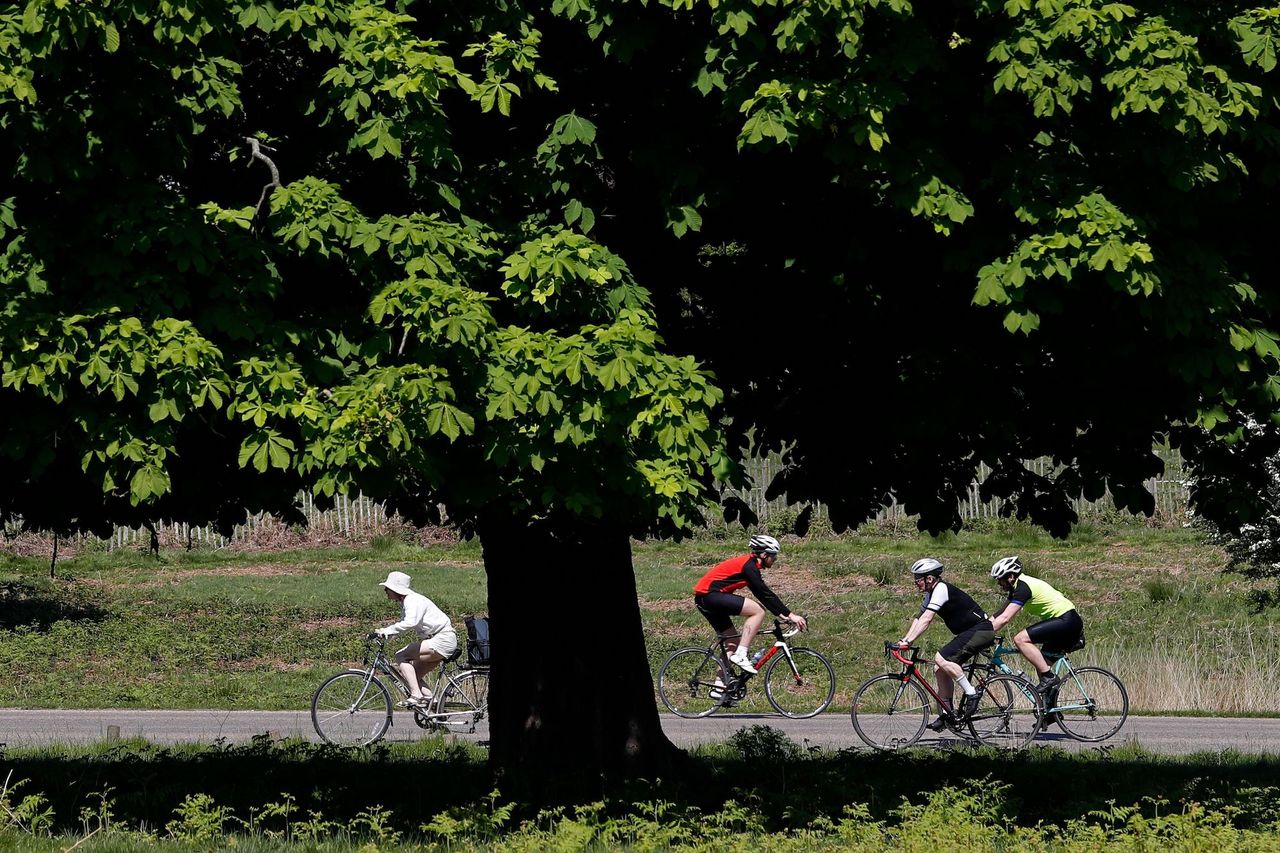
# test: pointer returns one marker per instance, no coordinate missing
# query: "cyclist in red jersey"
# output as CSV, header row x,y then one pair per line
x,y
712,597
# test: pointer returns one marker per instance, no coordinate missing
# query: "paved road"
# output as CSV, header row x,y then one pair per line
x,y
1167,735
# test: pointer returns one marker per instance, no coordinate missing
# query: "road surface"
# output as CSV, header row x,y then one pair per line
x,y
1165,735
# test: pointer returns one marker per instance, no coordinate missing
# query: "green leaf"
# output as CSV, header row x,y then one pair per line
x,y
449,420
572,211
150,481
448,195
572,128
110,38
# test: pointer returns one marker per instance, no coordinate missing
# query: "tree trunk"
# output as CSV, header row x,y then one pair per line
x,y
571,700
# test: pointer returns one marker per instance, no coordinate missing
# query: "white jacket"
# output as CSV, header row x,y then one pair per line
x,y
420,614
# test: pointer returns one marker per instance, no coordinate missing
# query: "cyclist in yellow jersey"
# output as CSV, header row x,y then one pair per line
x,y
1059,628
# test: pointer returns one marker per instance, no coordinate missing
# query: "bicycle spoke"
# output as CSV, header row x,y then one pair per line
x,y
349,709
801,685
1008,713
1091,705
889,713
691,683
465,701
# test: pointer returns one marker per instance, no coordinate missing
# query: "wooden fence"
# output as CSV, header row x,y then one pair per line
x,y
1170,491
360,519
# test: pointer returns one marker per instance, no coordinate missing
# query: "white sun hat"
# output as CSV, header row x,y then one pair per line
x,y
397,582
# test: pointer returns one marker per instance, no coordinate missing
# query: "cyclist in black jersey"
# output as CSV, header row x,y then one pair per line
x,y
966,620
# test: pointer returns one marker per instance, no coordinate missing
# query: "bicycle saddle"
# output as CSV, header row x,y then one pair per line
x,y
457,653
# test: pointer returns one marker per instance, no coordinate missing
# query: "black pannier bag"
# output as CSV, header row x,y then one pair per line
x,y
477,640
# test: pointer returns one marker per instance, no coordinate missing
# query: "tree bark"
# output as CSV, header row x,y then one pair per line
x,y
571,702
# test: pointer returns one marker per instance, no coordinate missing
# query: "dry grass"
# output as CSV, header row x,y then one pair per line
x,y
1230,671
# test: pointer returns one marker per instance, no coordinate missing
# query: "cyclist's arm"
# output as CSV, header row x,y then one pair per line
x,y
412,618
1005,616
918,626
1018,596
761,591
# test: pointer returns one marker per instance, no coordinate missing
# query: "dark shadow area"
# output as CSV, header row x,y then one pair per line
x,y
1262,600
25,606
786,786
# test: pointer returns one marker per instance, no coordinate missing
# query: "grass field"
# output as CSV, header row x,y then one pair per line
x,y
260,630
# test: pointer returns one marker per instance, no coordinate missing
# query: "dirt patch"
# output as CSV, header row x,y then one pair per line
x,y
667,605
312,625
177,576
272,665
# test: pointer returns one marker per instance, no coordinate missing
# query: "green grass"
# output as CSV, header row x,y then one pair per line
x,y
260,630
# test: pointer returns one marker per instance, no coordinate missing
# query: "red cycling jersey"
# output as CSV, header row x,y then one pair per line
x,y
735,573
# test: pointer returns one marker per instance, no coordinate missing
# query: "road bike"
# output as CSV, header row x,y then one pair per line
x,y
354,708
798,682
891,711
1090,705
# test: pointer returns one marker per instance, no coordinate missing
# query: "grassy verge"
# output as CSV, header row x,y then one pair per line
x,y
759,789
260,630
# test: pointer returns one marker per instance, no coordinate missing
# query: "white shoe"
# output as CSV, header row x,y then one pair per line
x,y
717,690
741,657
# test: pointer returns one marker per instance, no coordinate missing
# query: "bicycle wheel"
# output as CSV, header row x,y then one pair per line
x,y
1091,704
889,713
802,686
351,709
687,683
1008,712
465,700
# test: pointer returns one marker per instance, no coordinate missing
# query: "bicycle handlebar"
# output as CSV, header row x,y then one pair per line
x,y
783,633
892,648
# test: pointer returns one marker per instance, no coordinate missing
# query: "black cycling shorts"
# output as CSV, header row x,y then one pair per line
x,y
718,607
1059,634
968,643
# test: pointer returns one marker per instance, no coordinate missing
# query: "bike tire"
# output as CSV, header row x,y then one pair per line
x,y
1079,698
889,713
467,694
803,696
1009,712
347,713
686,682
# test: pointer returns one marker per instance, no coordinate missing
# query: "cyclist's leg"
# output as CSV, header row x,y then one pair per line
x,y
413,661
755,618
945,673
955,654
1030,650
718,608
433,652
1057,635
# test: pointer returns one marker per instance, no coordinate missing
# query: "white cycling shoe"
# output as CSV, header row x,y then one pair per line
x,y
741,658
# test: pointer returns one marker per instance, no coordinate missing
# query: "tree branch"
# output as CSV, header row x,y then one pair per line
x,y
258,148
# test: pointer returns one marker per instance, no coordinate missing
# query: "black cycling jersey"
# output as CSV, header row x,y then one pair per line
x,y
954,605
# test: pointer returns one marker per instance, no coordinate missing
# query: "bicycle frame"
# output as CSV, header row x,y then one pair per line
x,y
911,669
381,663
780,642
1059,665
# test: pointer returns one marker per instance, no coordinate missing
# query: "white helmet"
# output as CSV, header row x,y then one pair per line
x,y
1006,566
762,544
927,566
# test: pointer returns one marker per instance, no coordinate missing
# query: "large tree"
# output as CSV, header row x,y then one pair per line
x,y
254,248
907,240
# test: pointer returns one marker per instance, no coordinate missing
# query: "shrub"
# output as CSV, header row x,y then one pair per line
x,y
763,744
1160,590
